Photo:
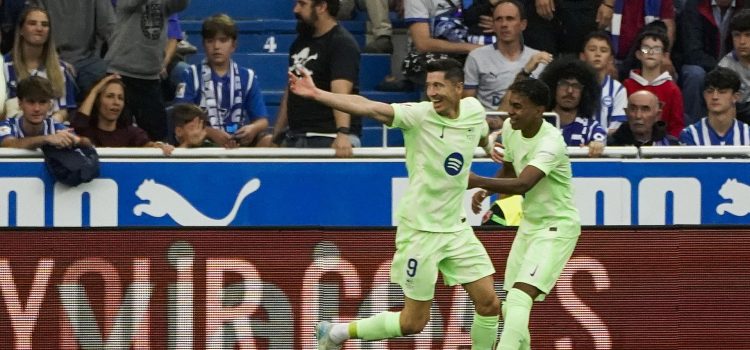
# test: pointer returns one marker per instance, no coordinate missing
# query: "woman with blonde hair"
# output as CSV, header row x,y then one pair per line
x,y
34,54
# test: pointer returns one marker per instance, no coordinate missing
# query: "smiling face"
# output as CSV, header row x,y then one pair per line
x,y
445,94
35,28
522,113
111,102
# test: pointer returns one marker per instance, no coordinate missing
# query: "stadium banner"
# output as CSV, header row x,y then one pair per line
x,y
354,192
137,289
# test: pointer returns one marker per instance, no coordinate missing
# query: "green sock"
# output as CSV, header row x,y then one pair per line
x,y
516,323
483,331
384,325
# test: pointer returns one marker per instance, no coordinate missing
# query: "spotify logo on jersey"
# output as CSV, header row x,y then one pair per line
x,y
454,163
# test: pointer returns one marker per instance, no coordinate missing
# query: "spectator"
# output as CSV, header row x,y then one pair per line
x,y
103,119
230,94
490,69
560,26
34,54
136,51
189,126
33,129
739,60
652,46
631,16
721,126
598,53
379,25
88,26
10,12
576,95
704,35
329,52
436,31
643,127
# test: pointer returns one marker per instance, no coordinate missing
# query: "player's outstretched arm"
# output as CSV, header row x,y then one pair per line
x,y
352,104
515,185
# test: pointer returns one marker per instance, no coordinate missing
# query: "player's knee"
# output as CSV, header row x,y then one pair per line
x,y
414,325
488,306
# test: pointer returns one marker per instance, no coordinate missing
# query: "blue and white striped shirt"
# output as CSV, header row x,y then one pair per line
x,y
582,131
702,134
613,103
11,127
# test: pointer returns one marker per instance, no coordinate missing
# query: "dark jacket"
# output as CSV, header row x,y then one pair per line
x,y
699,35
623,136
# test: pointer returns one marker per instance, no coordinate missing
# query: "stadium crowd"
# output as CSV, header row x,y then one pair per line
x,y
668,72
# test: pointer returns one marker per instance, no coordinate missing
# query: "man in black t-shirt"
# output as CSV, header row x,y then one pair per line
x,y
331,54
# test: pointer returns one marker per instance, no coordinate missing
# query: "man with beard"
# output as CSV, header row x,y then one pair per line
x,y
576,94
329,53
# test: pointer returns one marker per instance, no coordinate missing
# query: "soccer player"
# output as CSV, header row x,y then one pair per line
x,y
433,234
536,165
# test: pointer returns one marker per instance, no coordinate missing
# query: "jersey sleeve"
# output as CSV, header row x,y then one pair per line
x,y
254,103
187,90
406,115
471,72
618,115
6,130
505,136
548,155
598,133
686,137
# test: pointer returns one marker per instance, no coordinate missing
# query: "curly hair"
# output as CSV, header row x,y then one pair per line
x,y
569,67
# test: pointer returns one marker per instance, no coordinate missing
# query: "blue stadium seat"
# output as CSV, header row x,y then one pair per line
x,y
240,9
267,35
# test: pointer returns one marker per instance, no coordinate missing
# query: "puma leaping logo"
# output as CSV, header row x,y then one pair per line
x,y
738,195
163,200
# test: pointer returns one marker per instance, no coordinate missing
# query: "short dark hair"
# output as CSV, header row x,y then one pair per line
x,y
183,113
534,89
723,78
516,3
333,6
453,69
35,88
600,35
654,33
740,21
219,24
570,67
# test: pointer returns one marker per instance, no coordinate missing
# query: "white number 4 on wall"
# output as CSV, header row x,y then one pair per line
x,y
270,44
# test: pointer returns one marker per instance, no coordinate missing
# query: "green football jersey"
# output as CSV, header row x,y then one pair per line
x,y
439,151
550,202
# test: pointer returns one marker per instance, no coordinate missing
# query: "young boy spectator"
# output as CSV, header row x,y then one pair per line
x,y
652,47
136,50
33,129
643,127
599,54
230,94
720,127
739,60
189,126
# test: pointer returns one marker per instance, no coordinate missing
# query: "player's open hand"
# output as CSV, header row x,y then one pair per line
x,y
476,201
301,83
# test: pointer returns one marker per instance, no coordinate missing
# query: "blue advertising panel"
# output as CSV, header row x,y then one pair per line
x,y
358,192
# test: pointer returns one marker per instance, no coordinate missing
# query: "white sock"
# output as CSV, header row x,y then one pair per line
x,y
339,332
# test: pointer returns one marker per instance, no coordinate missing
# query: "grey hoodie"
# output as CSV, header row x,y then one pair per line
x,y
136,48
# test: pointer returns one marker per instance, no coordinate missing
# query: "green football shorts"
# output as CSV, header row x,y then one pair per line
x,y
539,258
459,256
